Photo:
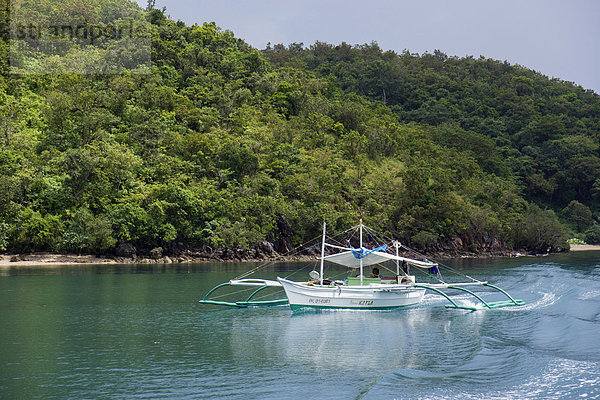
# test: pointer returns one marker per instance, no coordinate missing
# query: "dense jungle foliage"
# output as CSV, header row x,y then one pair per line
x,y
218,145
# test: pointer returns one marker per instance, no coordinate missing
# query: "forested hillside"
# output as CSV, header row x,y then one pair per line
x,y
547,130
218,145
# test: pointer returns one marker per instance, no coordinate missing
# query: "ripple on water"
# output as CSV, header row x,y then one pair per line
x,y
590,294
143,336
559,379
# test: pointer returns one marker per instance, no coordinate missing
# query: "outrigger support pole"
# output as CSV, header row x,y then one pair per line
x,y
516,302
471,293
213,289
442,294
489,305
322,253
242,304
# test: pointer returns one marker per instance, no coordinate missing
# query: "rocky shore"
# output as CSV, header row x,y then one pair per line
x,y
46,259
264,251
253,255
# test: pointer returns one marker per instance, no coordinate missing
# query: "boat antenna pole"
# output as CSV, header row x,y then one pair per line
x,y
360,259
322,253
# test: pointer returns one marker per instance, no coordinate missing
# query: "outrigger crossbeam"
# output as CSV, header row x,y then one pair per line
x,y
262,283
489,305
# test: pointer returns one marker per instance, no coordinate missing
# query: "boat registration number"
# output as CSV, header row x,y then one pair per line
x,y
319,301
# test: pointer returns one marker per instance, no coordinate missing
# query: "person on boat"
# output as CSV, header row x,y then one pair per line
x,y
405,268
375,273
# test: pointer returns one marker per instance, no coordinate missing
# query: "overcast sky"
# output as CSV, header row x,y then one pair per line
x,y
559,38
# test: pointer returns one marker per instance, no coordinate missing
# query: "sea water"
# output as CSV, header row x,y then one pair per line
x,y
138,332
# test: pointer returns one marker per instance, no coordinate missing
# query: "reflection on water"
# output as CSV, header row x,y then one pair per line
x,y
128,331
360,342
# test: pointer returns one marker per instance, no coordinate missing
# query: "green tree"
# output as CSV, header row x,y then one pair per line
x,y
87,233
578,215
539,231
592,234
3,236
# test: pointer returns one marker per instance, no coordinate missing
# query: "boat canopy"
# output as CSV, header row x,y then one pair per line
x,y
352,258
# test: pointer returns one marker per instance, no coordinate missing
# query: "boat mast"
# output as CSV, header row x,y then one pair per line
x,y
396,245
322,254
360,259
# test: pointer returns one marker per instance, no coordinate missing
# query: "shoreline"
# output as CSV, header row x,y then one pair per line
x,y
8,261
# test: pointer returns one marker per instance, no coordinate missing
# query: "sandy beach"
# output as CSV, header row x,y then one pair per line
x,y
584,247
43,259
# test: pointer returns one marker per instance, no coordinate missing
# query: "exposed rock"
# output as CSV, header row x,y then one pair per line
x,y
126,249
156,253
284,243
266,247
457,243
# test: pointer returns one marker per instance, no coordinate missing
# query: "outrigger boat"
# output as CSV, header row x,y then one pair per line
x,y
399,289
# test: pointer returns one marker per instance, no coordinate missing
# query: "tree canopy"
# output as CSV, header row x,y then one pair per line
x,y
219,145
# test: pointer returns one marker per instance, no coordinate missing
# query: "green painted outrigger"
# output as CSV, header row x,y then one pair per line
x,y
248,302
489,305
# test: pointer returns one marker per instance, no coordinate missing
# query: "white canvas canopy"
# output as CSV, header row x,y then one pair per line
x,y
350,260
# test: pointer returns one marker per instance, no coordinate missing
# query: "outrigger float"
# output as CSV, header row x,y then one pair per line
x,y
398,289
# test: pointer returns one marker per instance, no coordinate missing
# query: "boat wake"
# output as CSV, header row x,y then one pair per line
x,y
546,300
540,350
590,294
561,379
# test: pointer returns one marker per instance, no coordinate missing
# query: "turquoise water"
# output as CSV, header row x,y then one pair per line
x,y
113,332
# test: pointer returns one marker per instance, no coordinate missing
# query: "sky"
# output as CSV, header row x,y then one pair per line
x,y
559,38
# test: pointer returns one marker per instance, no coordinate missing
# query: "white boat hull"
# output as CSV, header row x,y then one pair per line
x,y
368,297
